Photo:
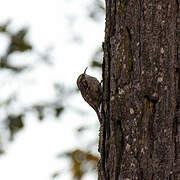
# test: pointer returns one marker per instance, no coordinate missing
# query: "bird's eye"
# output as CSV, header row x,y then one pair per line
x,y
84,83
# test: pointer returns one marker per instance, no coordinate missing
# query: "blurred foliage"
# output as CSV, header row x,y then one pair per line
x,y
55,174
96,10
97,58
17,43
14,122
82,162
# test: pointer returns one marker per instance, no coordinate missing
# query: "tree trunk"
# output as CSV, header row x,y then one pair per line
x,y
140,132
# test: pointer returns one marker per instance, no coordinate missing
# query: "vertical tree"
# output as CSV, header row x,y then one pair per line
x,y
140,132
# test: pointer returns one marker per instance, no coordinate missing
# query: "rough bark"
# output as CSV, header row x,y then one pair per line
x,y
140,136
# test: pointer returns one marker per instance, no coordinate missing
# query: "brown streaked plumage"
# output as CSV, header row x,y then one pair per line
x,y
91,91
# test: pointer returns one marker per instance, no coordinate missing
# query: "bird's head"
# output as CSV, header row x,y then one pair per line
x,y
81,79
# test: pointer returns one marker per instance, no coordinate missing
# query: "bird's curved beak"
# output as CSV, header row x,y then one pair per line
x,y
85,71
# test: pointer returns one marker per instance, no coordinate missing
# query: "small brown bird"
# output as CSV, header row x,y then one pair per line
x,y
91,91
